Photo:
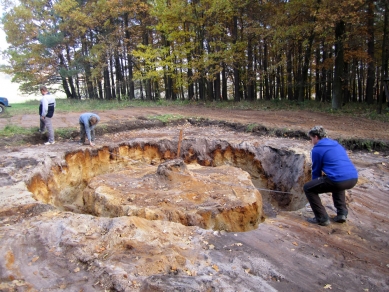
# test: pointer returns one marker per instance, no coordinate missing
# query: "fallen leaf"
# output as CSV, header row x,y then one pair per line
x,y
35,259
76,270
327,286
216,268
295,243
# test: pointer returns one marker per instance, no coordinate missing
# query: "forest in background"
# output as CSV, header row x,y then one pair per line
x,y
211,50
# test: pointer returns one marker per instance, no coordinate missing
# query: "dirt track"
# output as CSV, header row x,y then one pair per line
x,y
347,127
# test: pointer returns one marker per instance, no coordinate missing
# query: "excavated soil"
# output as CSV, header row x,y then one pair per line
x,y
129,215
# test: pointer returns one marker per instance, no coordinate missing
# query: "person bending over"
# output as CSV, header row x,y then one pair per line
x,y
88,122
332,171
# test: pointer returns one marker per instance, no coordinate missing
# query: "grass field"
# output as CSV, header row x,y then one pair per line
x,y
66,105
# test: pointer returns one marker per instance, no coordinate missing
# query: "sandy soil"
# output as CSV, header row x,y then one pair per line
x,y
284,253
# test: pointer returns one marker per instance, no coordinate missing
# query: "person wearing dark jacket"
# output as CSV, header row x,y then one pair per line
x,y
332,171
46,112
88,122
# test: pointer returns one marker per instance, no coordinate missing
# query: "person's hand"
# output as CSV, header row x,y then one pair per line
x,y
42,117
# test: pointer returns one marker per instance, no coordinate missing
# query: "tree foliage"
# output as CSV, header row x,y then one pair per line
x,y
326,50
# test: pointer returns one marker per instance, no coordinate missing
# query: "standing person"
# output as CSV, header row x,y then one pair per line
x,y
46,112
330,158
88,123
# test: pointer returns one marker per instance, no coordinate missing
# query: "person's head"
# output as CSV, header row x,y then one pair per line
x,y
43,89
316,134
93,120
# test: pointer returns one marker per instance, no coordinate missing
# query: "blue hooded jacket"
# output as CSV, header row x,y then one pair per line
x,y
331,158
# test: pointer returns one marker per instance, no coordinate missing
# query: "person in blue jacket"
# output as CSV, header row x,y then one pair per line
x,y
332,171
88,122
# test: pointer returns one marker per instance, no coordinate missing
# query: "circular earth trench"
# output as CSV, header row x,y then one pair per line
x,y
212,184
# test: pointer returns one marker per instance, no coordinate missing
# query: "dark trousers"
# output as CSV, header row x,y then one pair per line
x,y
323,184
83,133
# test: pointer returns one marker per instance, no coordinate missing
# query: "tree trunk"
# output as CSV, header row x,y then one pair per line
x,y
318,91
265,70
250,72
216,86
305,67
339,65
324,75
360,85
118,73
100,87
224,83
210,90
345,84
107,83
289,72
64,81
70,79
191,95
112,78
370,52
167,74
237,91
87,68
129,60
384,90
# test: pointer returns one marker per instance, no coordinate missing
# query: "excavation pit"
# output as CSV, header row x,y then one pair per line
x,y
213,185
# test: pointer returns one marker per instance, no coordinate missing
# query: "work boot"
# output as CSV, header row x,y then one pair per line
x,y
321,223
340,218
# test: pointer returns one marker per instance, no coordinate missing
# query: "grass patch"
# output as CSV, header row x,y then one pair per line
x,y
75,105
13,130
251,127
65,133
166,118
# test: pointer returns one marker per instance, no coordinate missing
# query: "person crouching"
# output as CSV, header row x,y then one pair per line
x,y
88,122
332,171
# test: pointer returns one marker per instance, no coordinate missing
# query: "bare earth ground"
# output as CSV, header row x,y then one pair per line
x,y
47,249
298,120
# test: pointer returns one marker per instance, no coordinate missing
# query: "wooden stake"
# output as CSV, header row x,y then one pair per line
x,y
179,144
